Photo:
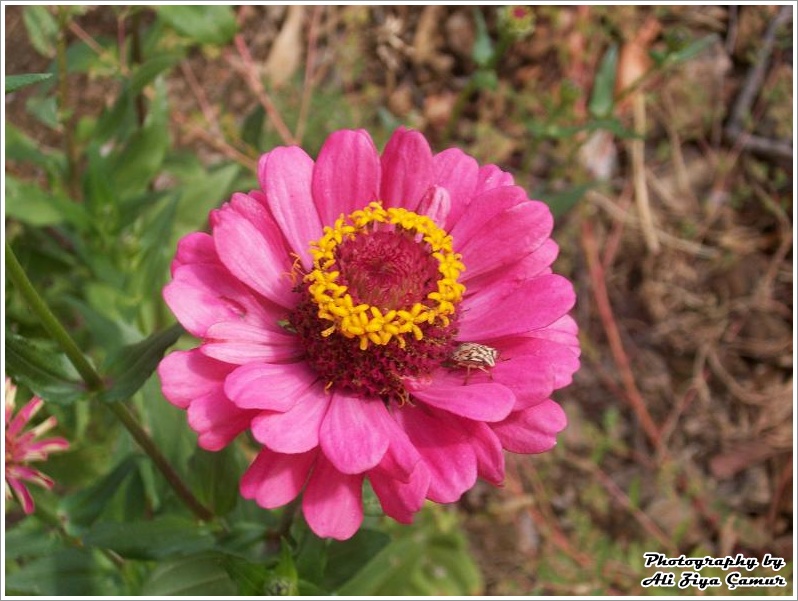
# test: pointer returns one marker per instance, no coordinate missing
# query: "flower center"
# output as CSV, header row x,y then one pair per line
x,y
380,302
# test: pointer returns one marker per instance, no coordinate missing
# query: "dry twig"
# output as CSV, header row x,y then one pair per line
x,y
623,500
250,74
604,307
310,60
753,84
606,205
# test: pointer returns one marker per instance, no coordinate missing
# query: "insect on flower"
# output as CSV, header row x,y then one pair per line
x,y
473,355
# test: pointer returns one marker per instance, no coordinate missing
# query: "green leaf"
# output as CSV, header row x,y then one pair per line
x,y
689,52
252,128
30,204
83,508
70,572
214,479
140,159
562,202
15,82
21,147
163,537
46,372
250,576
114,120
283,580
29,538
311,554
42,29
150,69
429,558
486,79
203,24
202,189
482,52
557,132
194,575
44,109
111,332
346,558
602,100
130,367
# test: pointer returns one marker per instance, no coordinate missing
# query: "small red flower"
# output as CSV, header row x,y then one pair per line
x,y
22,448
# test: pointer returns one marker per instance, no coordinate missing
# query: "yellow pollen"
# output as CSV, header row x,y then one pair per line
x,y
380,325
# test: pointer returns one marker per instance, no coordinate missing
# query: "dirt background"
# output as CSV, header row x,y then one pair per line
x,y
680,246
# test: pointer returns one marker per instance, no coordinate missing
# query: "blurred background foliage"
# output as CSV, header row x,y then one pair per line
x,y
659,136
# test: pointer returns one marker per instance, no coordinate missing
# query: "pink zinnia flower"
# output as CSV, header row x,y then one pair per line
x,y
22,448
333,305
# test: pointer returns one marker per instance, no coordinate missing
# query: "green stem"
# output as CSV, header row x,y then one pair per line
x,y
95,383
124,415
50,322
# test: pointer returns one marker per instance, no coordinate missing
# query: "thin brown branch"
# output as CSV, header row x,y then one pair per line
x,y
750,90
637,149
250,73
205,106
86,38
619,355
310,61
560,540
217,143
622,499
608,206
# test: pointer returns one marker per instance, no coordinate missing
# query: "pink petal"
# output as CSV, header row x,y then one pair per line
x,y
436,205
484,402
487,448
506,238
482,209
491,177
532,430
240,343
270,386
23,495
285,175
354,435
530,266
401,458
457,172
562,361
203,294
216,420
407,171
564,331
401,500
333,503
195,249
251,246
186,375
347,174
39,450
531,305
445,451
530,377
24,415
296,430
275,479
